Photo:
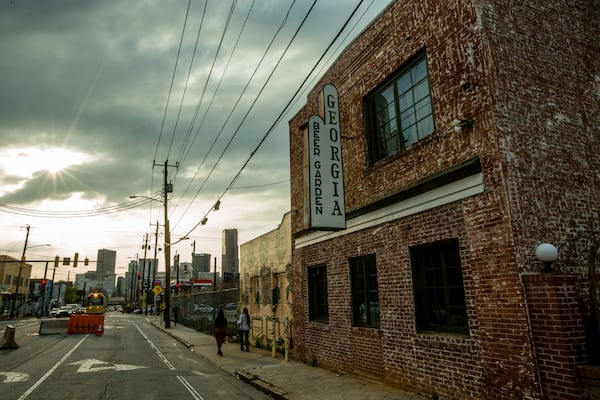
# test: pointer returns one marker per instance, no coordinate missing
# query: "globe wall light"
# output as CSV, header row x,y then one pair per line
x,y
547,254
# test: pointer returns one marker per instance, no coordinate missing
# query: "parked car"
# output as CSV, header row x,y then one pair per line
x,y
203,308
66,310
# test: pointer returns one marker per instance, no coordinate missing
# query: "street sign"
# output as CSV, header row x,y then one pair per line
x,y
157,290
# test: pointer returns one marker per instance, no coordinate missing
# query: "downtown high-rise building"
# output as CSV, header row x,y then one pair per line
x,y
105,262
230,262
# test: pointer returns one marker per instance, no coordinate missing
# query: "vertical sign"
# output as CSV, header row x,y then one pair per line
x,y
326,177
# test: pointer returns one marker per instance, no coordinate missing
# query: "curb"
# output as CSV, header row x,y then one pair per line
x,y
266,387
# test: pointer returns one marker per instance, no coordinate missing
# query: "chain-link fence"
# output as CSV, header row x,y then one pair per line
x,y
199,310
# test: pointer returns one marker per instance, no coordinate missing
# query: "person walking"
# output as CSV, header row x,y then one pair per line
x,y
220,331
175,313
244,324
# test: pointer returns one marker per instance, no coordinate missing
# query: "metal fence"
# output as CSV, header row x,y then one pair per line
x,y
199,310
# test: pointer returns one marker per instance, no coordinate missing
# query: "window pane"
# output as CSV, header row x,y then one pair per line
x,y
404,84
365,294
406,101
423,108
318,308
425,127
410,135
390,132
421,90
440,301
419,71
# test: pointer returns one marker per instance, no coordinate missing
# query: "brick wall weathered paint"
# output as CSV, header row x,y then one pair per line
x,y
267,258
493,62
545,82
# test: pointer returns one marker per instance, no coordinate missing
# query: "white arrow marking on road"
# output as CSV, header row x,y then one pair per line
x,y
88,366
10,377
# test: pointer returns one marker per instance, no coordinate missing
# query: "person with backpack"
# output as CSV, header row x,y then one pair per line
x,y
244,325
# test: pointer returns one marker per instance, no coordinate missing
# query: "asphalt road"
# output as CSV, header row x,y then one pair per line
x,y
132,360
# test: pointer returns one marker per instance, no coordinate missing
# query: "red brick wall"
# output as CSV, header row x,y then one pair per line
x,y
544,68
557,327
489,61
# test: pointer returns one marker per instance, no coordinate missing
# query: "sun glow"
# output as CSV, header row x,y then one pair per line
x,y
25,162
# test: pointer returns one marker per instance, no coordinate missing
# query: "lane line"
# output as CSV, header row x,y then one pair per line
x,y
190,388
50,371
156,350
180,378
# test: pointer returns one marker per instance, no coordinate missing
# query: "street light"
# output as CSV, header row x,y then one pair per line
x,y
21,265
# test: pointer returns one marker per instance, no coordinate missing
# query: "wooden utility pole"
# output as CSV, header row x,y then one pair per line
x,y
21,265
167,188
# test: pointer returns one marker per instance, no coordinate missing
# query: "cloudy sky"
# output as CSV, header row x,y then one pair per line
x,y
97,95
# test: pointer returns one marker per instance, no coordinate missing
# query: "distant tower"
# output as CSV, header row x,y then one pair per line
x,y
229,258
200,263
105,263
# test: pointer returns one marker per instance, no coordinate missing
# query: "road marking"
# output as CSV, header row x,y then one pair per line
x,y
156,350
180,378
51,370
10,377
90,365
190,388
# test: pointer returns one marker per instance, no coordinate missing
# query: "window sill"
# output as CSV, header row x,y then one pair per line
x,y
447,341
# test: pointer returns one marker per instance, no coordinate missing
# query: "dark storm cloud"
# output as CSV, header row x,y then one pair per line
x,y
95,75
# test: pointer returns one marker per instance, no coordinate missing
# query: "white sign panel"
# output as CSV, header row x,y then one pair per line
x,y
326,175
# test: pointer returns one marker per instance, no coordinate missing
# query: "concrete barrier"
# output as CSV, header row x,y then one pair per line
x,y
53,326
8,341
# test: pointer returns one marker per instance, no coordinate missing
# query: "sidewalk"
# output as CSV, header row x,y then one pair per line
x,y
291,380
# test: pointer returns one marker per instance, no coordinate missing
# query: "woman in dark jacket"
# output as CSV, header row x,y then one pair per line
x,y
220,331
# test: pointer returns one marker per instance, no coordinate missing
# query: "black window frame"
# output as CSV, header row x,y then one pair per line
x,y
365,291
412,121
438,287
318,296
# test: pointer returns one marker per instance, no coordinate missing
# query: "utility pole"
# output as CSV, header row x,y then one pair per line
x,y
168,188
144,270
21,265
153,266
44,308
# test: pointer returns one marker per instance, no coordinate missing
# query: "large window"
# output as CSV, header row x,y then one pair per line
x,y
438,287
400,113
318,306
365,294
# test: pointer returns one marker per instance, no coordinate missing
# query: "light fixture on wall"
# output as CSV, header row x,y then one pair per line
x,y
547,254
460,124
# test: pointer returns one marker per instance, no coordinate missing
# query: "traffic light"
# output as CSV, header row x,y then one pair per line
x,y
43,282
75,260
56,261
86,262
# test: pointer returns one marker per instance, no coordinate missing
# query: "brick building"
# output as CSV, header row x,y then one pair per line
x,y
265,270
469,135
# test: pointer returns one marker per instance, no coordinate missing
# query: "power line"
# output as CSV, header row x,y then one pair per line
x,y
187,80
201,99
278,119
282,24
138,202
185,153
172,79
